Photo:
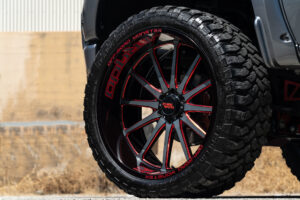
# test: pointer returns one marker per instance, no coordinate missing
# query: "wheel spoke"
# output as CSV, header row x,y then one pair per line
x,y
147,164
195,127
183,142
160,76
143,103
149,142
173,80
155,38
197,108
197,90
153,90
147,120
189,74
167,146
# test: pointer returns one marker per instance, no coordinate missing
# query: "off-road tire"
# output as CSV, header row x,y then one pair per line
x,y
243,116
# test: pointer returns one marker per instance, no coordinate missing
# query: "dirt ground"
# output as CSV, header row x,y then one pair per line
x,y
42,78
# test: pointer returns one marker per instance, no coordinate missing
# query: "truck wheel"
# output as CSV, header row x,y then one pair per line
x,y
291,154
176,104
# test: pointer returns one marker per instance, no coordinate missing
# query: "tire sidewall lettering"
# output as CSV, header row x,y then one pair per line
x,y
126,51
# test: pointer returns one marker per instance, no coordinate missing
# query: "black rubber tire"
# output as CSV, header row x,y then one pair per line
x,y
243,114
291,154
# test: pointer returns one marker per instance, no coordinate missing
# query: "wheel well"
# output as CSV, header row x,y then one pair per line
x,y
111,13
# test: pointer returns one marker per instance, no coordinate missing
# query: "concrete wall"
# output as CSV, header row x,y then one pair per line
x,y
42,76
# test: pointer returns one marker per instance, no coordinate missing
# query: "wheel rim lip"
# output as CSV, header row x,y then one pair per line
x,y
203,53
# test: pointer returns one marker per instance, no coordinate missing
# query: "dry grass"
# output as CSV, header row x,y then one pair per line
x,y
270,175
72,169
50,163
76,178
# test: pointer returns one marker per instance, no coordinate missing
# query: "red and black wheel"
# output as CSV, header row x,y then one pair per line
x,y
155,107
176,104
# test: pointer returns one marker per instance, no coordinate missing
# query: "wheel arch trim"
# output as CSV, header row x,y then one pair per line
x,y
89,20
270,25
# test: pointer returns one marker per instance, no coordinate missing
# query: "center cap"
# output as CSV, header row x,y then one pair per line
x,y
170,105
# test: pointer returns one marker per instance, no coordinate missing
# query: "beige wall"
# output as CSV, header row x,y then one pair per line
x,y
42,78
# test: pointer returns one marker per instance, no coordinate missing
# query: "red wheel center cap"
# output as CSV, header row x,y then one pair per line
x,y
170,105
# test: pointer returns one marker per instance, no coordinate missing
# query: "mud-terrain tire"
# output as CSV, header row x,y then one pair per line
x,y
242,114
291,154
